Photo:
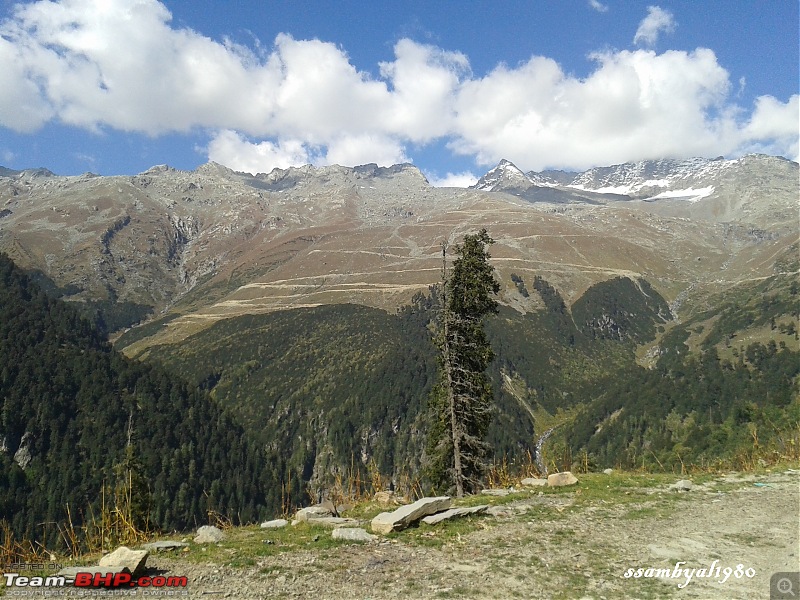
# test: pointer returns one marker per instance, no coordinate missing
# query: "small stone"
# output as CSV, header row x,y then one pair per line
x,y
684,485
208,534
608,471
561,479
353,534
533,482
133,560
274,524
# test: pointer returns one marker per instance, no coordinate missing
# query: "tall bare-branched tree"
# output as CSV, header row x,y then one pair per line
x,y
462,402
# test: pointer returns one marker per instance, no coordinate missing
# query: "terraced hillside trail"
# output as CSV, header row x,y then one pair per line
x,y
575,542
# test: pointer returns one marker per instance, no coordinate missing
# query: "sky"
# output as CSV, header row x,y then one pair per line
x,y
116,86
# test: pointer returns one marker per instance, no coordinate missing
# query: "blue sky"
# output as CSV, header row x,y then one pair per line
x,y
116,86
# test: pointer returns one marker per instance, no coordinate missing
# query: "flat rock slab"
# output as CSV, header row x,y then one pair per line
x,y
313,512
561,479
533,482
208,534
123,556
496,492
333,521
406,515
274,524
353,534
454,513
163,546
71,572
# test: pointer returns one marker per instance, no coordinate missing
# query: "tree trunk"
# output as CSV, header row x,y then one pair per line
x,y
455,429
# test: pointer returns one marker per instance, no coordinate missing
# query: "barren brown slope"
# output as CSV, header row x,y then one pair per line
x,y
212,243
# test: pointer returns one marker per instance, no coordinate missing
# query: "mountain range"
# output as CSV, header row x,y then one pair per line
x,y
644,307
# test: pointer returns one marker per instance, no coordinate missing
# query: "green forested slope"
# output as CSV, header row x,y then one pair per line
x,y
723,391
71,400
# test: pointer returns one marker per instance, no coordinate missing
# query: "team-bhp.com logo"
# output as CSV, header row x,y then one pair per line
x,y
95,580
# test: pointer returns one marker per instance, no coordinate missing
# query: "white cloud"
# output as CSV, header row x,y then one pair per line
x,y
229,148
656,21
118,64
365,148
598,6
462,180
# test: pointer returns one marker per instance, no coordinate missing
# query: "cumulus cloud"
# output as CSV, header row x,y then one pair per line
x,y
656,21
122,65
231,149
598,6
462,180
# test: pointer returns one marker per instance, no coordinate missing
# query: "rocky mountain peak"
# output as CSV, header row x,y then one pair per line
x,y
506,174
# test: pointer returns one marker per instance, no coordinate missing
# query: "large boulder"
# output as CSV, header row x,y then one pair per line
x,y
133,560
561,479
313,512
208,534
404,516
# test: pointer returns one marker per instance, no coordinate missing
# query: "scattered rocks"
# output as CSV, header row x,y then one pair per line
x,y
561,479
133,560
453,513
274,524
406,515
208,534
353,534
163,546
533,482
684,485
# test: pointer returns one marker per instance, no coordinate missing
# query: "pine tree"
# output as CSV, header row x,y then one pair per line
x,y
462,402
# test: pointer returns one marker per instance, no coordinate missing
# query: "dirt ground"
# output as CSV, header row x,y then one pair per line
x,y
578,542
550,546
